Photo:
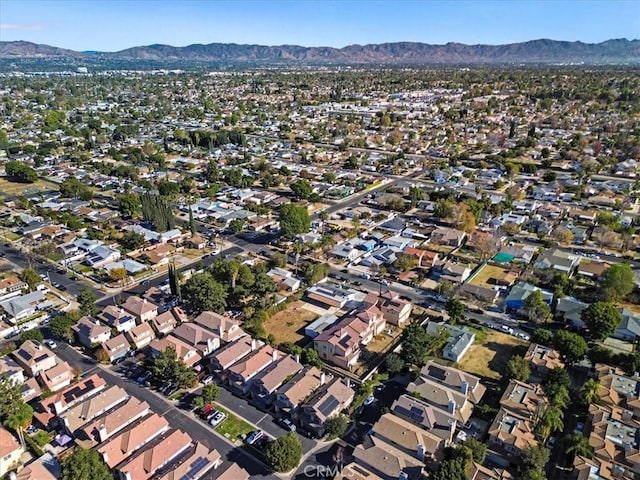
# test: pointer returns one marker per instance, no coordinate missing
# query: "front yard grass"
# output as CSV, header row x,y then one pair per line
x,y
488,358
233,427
487,275
288,325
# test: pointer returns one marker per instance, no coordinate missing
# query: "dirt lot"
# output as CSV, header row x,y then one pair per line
x,y
489,358
288,325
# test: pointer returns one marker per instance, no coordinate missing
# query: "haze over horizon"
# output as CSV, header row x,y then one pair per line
x,y
116,25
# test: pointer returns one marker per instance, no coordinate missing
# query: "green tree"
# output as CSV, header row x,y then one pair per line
x,y
415,344
166,366
517,369
535,309
10,397
61,325
451,469
20,172
132,240
578,445
549,422
210,393
74,188
302,189
168,188
174,281
456,309
602,319
572,347
85,464
35,335
534,457
129,204
31,278
237,225
294,220
285,452
201,292
556,380
542,336
335,426
589,392
393,363
617,282
87,301
20,419
478,449
405,262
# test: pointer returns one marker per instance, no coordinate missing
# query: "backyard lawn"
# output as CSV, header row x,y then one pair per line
x,y
12,189
489,356
288,325
233,427
487,275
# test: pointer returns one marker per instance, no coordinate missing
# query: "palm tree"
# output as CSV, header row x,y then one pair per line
x,y
550,422
579,446
561,398
20,420
590,392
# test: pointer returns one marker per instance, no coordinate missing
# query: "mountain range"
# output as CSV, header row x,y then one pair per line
x,y
611,52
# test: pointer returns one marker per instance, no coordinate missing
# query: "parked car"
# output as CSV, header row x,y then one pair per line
x,y
217,419
207,380
286,424
369,400
551,443
171,390
145,376
164,387
254,436
50,343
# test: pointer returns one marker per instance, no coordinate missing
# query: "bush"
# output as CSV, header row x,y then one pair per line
x,y
334,427
285,452
41,438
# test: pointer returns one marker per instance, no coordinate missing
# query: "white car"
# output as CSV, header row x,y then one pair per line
x,y
217,419
370,399
50,343
207,380
251,439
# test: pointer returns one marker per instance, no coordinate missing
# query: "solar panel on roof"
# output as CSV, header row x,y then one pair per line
x,y
400,410
438,373
328,406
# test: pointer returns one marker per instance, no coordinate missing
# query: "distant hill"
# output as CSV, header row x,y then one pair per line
x,y
619,51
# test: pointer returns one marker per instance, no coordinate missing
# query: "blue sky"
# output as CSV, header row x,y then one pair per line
x,y
111,25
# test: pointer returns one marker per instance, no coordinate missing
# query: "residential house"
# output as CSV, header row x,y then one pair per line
x,y
164,323
234,472
459,339
388,462
57,377
618,389
451,271
23,306
117,318
436,421
105,427
13,371
542,360
142,309
264,384
34,358
116,347
454,379
204,340
519,293
409,438
91,408
523,399
226,328
144,465
44,468
197,242
592,269
56,404
613,436
119,448
242,372
30,390
284,279
339,345
90,332
319,325
336,396
570,310
395,310
11,284
10,452
426,258
141,335
329,294
198,461
558,260
448,236
101,256
511,434
480,472
479,292
598,469
299,387
629,328
232,353
515,254
185,352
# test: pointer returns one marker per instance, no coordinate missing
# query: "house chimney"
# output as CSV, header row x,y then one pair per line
x,y
464,387
323,378
102,433
297,358
274,355
420,452
253,344
57,407
105,457
452,406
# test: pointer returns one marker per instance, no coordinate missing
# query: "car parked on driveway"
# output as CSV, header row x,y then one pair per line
x,y
254,436
217,419
207,380
286,424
